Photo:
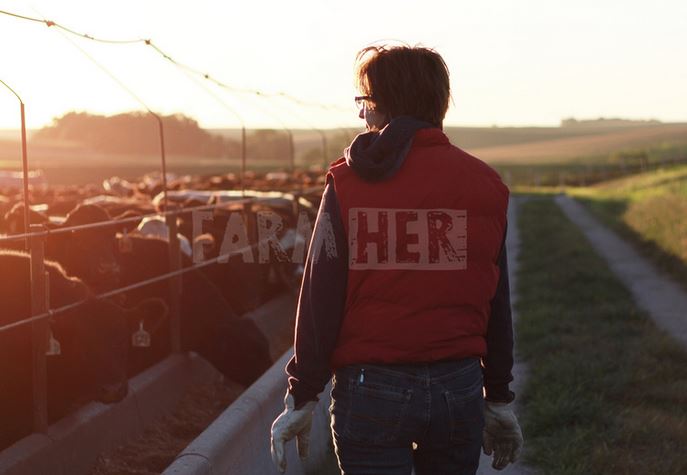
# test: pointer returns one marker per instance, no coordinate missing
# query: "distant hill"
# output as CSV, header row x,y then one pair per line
x,y
135,133
477,137
607,122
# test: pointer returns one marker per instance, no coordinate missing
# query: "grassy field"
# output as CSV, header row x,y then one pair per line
x,y
607,391
650,210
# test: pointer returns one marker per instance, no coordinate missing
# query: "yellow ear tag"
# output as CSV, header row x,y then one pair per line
x,y
54,348
126,245
140,338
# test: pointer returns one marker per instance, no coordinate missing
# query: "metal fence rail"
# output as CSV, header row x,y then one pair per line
x,y
51,312
40,308
35,237
294,196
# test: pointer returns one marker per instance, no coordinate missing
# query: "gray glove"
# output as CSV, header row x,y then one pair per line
x,y
502,434
291,423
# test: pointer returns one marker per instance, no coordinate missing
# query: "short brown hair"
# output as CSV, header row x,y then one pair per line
x,y
405,80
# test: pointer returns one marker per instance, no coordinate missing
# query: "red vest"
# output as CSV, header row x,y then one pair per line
x,y
423,251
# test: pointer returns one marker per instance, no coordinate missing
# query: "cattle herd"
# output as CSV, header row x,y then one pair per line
x,y
97,350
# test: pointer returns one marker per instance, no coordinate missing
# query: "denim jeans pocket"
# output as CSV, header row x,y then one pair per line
x,y
369,412
463,396
466,414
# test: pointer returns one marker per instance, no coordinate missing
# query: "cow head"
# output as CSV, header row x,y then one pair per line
x,y
102,335
14,219
88,254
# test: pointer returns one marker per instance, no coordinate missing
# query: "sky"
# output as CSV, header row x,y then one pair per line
x,y
531,62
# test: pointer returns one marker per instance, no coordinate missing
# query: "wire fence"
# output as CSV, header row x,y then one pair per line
x,y
42,314
107,224
36,237
199,77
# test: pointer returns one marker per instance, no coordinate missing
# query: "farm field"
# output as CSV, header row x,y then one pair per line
x,y
76,167
523,155
648,209
587,144
606,389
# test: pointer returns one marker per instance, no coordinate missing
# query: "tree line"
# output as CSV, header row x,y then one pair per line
x,y
133,133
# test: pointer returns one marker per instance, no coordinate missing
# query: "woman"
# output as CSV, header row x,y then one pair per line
x,y
405,298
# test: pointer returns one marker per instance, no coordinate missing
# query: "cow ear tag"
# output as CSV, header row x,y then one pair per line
x,y
54,347
272,277
126,246
141,338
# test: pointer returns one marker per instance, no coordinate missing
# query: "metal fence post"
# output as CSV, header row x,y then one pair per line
x,y
292,153
243,161
175,285
251,221
325,151
251,271
39,331
295,205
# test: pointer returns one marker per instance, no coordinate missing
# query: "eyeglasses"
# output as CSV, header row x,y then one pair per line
x,y
360,101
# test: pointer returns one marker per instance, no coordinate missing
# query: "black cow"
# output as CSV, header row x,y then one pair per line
x,y
209,324
13,222
95,338
245,284
86,254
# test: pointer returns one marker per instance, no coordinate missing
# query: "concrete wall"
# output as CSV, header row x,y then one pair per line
x,y
238,441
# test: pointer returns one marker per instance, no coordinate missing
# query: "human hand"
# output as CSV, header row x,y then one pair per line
x,y
502,435
291,423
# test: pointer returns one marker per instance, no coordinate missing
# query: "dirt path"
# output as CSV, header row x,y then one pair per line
x,y
655,293
519,367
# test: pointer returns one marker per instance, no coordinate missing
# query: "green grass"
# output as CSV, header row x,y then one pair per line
x,y
607,391
650,210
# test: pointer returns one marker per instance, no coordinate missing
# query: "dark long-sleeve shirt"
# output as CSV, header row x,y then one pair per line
x,y
321,307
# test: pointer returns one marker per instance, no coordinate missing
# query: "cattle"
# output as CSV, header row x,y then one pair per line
x,y
12,179
245,284
87,254
119,187
210,325
116,205
94,261
13,222
156,226
95,340
253,283
60,200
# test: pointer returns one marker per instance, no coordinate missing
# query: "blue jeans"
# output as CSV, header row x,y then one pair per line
x,y
379,411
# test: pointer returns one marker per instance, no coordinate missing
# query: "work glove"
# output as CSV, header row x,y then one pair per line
x,y
501,435
291,423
